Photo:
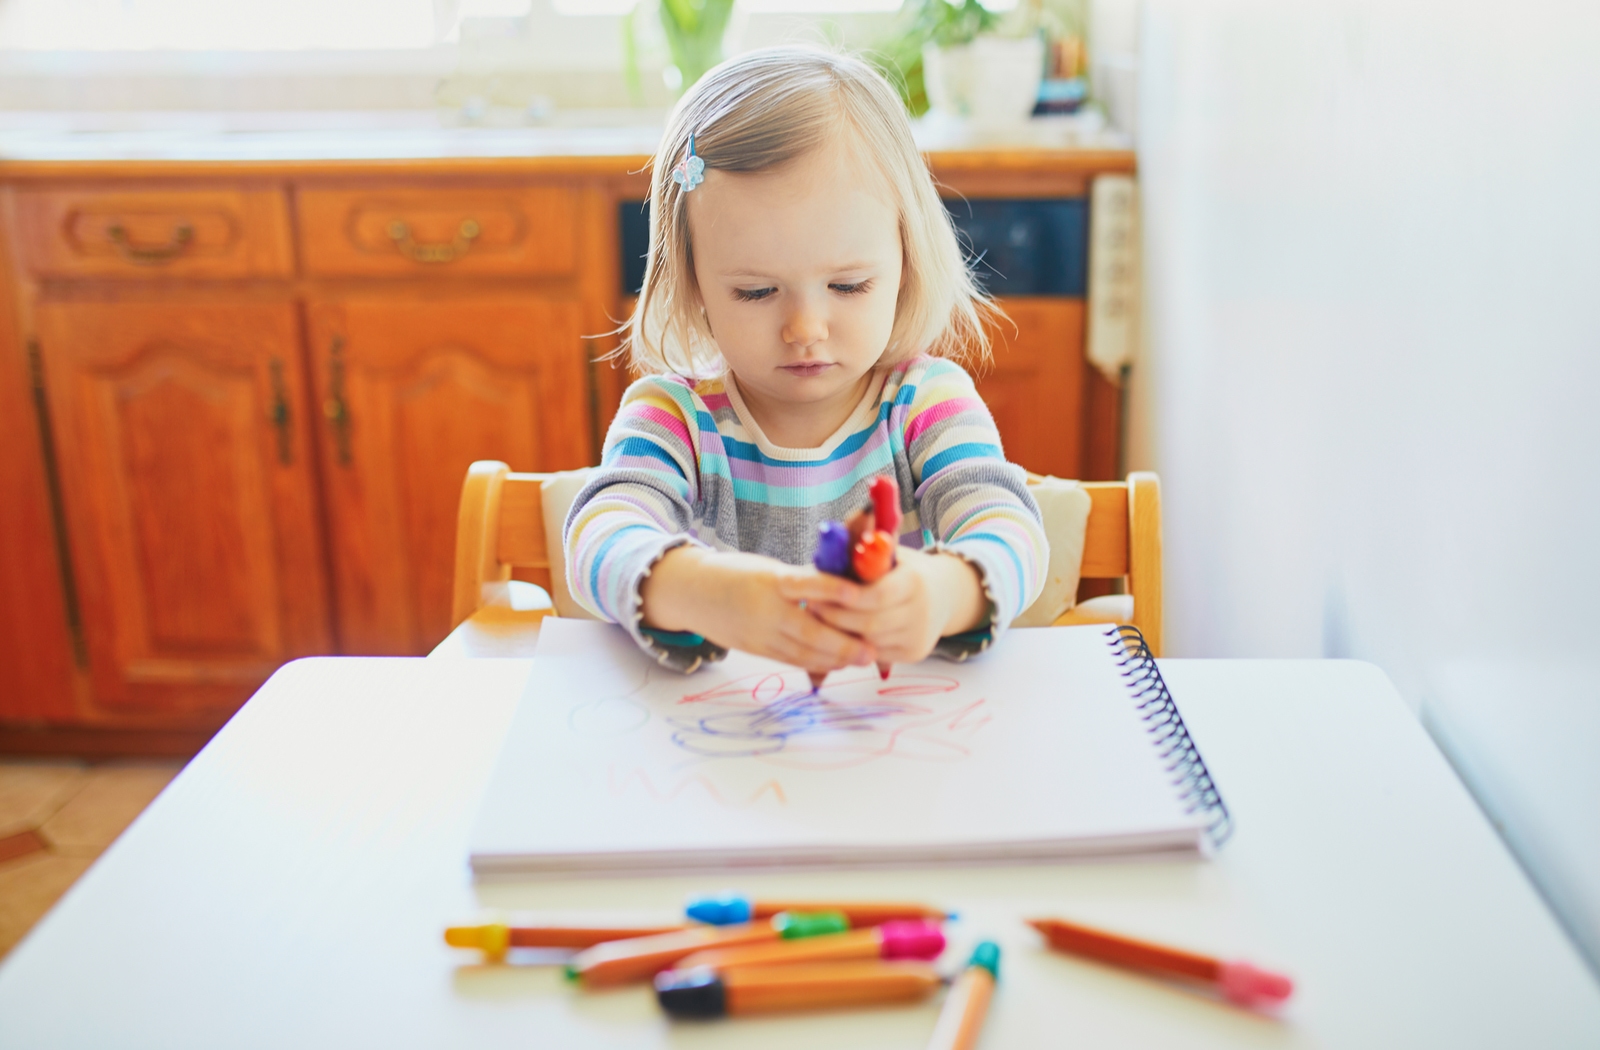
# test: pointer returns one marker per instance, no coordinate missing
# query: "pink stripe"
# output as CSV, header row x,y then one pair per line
x,y
952,406
672,422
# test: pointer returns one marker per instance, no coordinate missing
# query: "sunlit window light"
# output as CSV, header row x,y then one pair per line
x,y
217,25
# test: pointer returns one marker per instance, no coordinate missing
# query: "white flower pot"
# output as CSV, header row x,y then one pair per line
x,y
993,80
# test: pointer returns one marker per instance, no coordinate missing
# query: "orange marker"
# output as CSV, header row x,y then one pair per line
x,y
618,962
1237,981
705,992
901,939
494,938
872,558
968,1002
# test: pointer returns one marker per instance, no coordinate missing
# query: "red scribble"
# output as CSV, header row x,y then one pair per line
x,y
763,687
618,788
787,727
961,715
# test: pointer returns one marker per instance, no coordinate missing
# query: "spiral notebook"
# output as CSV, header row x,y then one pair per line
x,y
1057,743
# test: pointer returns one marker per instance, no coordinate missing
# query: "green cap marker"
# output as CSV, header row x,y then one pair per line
x,y
987,955
793,924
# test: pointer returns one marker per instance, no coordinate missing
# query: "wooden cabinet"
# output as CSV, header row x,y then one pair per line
x,y
185,460
260,382
479,231
1034,385
154,234
413,391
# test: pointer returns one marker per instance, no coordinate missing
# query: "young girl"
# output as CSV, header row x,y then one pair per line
x,y
804,306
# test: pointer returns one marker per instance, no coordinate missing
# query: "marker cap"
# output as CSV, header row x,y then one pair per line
x,y
724,909
885,496
692,993
1248,986
792,924
910,939
987,955
833,549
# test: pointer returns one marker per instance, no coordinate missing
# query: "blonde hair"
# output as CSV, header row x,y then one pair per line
x,y
764,109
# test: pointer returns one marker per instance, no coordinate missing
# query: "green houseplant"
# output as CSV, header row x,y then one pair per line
x,y
921,22
694,30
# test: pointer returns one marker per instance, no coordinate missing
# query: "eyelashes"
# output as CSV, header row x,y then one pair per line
x,y
755,295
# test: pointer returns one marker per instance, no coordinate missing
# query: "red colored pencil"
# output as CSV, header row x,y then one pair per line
x,y
1239,982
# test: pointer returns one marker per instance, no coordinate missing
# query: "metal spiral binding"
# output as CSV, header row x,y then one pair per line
x,y
1181,758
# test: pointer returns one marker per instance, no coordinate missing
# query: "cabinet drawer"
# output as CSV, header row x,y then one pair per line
x,y
521,231
153,234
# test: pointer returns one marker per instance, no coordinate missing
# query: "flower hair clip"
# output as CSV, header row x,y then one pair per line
x,y
691,170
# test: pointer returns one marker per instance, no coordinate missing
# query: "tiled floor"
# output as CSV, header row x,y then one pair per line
x,y
56,817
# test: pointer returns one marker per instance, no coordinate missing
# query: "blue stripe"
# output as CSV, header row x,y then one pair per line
x,y
1015,564
957,453
849,446
633,445
600,556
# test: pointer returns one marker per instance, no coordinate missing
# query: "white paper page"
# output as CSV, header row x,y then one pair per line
x,y
615,761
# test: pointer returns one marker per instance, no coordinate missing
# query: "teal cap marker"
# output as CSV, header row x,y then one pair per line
x,y
987,955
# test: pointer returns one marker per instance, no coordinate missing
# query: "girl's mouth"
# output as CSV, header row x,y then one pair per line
x,y
806,369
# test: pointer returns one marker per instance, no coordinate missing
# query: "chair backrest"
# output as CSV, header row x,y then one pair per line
x,y
501,527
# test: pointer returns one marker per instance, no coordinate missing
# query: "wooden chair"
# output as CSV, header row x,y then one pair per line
x,y
501,528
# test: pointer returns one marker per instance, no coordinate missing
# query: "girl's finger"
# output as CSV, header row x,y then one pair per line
x,y
853,621
827,642
818,586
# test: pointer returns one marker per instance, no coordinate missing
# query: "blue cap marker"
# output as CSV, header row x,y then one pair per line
x,y
724,909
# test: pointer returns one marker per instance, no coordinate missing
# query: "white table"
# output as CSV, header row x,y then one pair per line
x,y
289,888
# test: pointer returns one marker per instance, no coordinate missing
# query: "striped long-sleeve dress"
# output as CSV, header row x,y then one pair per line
x,y
685,462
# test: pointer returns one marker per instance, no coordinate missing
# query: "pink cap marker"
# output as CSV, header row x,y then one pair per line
x,y
1246,985
910,939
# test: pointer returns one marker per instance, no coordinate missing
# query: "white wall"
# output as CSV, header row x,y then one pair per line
x,y
1372,374
1373,253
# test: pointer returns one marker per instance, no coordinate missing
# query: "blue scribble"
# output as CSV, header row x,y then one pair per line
x,y
768,729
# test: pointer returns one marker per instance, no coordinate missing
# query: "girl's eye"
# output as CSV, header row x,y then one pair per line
x,y
851,289
751,295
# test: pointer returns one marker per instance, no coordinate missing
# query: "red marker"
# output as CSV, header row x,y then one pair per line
x,y
885,496
1237,981
873,556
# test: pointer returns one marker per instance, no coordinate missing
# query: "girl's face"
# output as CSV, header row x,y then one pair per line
x,y
799,272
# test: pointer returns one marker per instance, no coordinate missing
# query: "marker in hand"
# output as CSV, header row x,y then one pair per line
x,y
873,556
832,556
863,547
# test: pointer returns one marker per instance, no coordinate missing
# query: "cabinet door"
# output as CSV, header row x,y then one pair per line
x,y
1035,385
413,391
184,445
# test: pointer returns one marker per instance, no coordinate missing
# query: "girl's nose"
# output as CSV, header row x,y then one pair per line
x,y
804,326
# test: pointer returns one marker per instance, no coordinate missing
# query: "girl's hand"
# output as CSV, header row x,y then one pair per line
x,y
748,602
903,615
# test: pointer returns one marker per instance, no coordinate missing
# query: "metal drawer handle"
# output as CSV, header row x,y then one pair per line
x,y
334,406
155,255
400,234
279,415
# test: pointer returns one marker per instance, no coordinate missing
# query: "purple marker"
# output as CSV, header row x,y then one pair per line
x,y
832,556
833,549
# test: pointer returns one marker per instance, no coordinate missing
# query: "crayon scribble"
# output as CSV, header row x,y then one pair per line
x,y
774,716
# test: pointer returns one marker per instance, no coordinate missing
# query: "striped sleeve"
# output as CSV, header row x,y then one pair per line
x,y
639,505
970,500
